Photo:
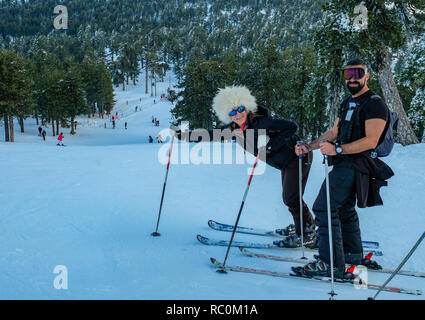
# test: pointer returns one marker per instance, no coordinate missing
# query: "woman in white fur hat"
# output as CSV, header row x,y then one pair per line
x,y
238,110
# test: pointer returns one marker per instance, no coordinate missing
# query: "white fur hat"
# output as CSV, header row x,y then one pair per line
x,y
232,97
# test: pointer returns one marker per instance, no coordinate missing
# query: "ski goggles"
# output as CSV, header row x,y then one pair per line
x,y
356,73
234,112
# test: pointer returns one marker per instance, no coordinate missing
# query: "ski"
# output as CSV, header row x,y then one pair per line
x,y
219,265
269,233
304,261
213,242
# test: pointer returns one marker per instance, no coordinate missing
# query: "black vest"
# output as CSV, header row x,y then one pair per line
x,y
349,127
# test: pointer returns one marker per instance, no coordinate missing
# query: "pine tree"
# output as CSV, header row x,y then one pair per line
x,y
386,32
15,89
412,79
73,101
202,79
417,112
263,72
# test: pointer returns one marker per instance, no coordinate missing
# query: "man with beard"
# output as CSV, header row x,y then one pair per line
x,y
359,128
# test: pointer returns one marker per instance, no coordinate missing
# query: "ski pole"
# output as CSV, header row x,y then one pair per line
x,y
300,176
328,203
400,266
223,269
156,234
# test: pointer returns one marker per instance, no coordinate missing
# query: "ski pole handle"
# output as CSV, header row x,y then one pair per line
x,y
299,144
325,140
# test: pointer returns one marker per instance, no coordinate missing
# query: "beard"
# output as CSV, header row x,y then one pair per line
x,y
355,90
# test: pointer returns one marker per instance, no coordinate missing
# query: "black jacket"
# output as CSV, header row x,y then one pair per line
x,y
281,133
371,175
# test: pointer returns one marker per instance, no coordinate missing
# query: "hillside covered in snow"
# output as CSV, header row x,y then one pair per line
x,y
92,205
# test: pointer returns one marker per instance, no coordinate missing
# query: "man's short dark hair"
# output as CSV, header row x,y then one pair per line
x,y
356,62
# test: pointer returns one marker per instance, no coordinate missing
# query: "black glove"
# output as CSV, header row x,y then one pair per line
x,y
177,131
178,134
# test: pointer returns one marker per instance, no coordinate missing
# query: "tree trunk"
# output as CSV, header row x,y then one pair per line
x,y
336,94
152,84
6,129
405,133
72,125
12,129
147,73
36,119
53,127
21,124
57,127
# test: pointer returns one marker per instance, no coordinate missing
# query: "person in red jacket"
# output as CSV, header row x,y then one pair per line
x,y
60,138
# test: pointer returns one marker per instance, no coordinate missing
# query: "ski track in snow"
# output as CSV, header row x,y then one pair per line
x,y
92,205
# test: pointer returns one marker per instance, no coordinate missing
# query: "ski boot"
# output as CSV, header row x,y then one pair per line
x,y
294,241
355,259
290,229
369,263
320,268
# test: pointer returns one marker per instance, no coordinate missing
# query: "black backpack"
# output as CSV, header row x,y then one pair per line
x,y
386,146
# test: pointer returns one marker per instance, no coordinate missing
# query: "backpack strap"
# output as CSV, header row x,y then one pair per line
x,y
342,108
355,116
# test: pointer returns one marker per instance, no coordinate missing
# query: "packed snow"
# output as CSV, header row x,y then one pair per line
x,y
92,205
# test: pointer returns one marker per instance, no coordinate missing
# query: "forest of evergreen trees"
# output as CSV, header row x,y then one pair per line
x,y
288,52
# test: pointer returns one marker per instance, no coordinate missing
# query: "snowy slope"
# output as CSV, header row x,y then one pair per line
x,y
92,205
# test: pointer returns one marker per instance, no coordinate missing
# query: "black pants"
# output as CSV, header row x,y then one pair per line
x,y
290,191
345,222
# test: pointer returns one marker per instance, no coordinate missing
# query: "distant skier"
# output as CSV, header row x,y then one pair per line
x,y
39,131
113,124
135,109
159,139
44,135
125,126
60,138
153,119
150,139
